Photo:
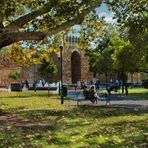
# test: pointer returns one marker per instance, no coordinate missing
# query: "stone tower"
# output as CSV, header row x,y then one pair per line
x,y
75,62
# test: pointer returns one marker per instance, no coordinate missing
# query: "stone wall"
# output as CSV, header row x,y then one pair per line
x,y
66,60
4,76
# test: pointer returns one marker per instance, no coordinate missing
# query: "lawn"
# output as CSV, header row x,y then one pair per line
x,y
138,93
141,93
33,120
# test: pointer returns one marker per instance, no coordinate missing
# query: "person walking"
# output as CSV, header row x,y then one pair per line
x,y
97,84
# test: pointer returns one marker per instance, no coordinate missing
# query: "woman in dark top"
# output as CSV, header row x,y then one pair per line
x,y
93,94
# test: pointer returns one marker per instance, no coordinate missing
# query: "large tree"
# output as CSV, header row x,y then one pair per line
x,y
124,59
35,20
132,16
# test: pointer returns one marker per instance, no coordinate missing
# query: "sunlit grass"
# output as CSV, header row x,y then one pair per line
x,y
40,121
141,93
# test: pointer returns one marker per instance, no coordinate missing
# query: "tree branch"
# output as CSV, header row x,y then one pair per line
x,y
14,26
26,18
12,37
9,38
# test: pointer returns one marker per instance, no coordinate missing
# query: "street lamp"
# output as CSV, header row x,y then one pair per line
x,y
61,72
34,84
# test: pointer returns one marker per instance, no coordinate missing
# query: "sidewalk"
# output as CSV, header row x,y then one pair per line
x,y
124,103
116,101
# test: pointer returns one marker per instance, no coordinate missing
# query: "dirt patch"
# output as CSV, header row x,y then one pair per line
x,y
12,120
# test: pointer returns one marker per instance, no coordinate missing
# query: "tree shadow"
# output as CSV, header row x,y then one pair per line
x,y
111,138
79,112
34,124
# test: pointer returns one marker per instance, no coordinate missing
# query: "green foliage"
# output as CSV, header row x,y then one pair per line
x,y
116,52
15,75
124,57
101,62
91,28
132,16
101,55
48,68
28,20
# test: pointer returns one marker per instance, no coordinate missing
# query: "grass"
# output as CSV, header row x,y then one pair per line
x,y
138,93
141,93
37,121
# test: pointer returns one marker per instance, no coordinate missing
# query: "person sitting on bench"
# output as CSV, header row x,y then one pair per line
x,y
93,94
90,94
86,92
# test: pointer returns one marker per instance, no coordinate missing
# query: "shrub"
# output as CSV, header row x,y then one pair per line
x,y
14,75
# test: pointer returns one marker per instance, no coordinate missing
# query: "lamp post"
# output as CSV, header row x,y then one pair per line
x,y
61,75
34,78
59,72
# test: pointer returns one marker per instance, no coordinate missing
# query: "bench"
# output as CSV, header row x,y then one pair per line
x,y
77,95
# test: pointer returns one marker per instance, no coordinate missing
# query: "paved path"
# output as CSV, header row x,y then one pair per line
x,y
124,103
116,101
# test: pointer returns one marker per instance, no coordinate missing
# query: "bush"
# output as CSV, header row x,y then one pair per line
x,y
145,83
15,75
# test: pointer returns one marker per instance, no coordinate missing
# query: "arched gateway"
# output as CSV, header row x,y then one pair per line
x,y
75,67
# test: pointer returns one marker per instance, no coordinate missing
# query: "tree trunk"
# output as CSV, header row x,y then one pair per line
x,y
106,80
123,81
131,79
126,88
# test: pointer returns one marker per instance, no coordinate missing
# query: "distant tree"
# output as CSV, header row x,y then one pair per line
x,y
101,62
48,68
124,60
132,16
101,54
15,75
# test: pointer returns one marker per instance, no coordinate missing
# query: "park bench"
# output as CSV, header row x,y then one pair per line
x,y
77,95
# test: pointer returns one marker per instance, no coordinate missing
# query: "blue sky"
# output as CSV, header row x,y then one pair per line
x,y
104,12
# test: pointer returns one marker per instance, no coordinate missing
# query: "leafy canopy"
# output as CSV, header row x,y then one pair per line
x,y
35,20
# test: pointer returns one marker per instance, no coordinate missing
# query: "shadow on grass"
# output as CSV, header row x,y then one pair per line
x,y
79,111
43,125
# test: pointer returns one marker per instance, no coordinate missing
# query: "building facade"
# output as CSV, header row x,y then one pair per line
x,y
75,67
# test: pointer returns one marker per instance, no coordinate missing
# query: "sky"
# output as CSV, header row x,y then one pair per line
x,y
102,11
